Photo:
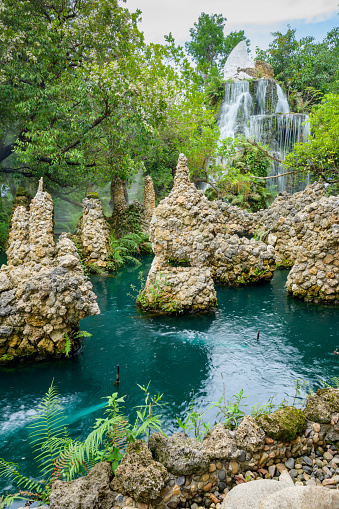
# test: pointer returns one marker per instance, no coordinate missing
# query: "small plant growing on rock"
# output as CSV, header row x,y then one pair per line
x,y
230,413
68,342
193,422
146,419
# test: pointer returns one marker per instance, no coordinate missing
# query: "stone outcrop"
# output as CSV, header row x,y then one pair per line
x,y
186,226
43,290
181,454
138,475
149,199
240,66
90,492
315,273
284,424
321,406
93,232
249,436
220,443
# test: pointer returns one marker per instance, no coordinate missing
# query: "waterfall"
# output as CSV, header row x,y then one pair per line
x,y
263,114
282,105
235,110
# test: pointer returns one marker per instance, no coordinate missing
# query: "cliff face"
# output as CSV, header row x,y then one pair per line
x,y
43,290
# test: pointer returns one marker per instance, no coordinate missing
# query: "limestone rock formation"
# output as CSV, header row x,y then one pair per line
x,y
138,475
284,424
149,200
238,59
185,226
240,66
180,454
220,443
315,274
43,290
91,491
249,436
93,233
321,406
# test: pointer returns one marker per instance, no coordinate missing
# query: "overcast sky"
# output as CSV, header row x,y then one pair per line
x,y
257,17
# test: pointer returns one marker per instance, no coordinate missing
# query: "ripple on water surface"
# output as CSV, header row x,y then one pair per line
x,y
179,355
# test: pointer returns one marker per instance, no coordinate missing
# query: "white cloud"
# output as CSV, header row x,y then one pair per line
x,y
177,16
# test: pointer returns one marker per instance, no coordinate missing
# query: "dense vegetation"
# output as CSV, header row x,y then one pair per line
x,y
85,100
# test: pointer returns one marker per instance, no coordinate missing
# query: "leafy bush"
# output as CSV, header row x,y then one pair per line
x,y
121,250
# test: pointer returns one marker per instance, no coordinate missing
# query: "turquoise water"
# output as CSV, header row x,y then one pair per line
x,y
179,355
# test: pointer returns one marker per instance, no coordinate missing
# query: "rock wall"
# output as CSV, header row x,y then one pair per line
x,y
315,273
43,291
93,233
290,445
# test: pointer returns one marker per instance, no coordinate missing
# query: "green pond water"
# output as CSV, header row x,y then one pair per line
x,y
180,355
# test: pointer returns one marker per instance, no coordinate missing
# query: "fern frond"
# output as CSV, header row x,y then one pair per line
x,y
10,471
48,431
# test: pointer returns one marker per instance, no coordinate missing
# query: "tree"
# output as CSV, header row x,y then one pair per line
x,y
320,154
306,68
80,91
209,47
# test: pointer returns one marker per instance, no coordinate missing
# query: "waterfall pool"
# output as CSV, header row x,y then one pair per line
x,y
181,356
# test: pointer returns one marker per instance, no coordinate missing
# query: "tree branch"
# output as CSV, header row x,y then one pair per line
x,y
17,170
255,144
273,176
210,184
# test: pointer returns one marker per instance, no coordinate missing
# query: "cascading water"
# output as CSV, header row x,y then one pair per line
x,y
235,110
261,112
282,105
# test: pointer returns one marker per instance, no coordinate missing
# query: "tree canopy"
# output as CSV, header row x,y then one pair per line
x,y
307,68
320,154
82,93
209,47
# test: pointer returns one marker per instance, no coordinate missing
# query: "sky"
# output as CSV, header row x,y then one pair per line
x,y
257,17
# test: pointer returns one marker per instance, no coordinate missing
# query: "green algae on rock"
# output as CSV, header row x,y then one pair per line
x,y
284,424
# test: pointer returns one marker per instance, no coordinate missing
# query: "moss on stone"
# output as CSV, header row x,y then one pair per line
x,y
92,195
22,192
284,424
321,405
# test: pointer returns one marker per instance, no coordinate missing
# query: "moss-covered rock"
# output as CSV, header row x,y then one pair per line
x,y
284,424
321,405
92,195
